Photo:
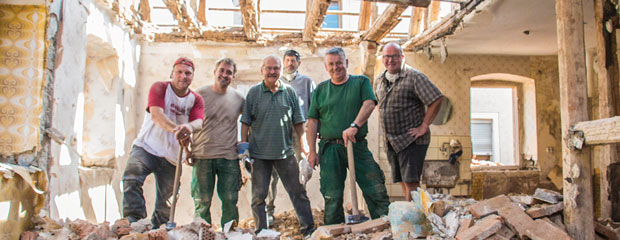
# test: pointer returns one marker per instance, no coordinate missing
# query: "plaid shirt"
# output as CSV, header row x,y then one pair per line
x,y
402,106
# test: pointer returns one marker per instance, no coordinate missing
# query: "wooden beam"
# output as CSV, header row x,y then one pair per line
x,y
446,27
369,59
416,19
385,23
145,10
314,19
180,12
202,13
597,132
433,10
249,11
364,19
607,61
415,3
577,168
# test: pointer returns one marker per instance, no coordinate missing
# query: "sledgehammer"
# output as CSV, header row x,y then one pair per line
x,y
356,217
175,190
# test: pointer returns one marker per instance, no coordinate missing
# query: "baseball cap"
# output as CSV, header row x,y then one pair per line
x,y
184,61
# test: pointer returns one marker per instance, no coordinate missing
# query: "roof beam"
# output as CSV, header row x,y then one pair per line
x,y
445,27
364,19
202,15
249,11
145,10
314,18
385,23
415,3
184,16
416,18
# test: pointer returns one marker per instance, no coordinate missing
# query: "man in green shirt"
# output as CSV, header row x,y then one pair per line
x,y
342,105
270,115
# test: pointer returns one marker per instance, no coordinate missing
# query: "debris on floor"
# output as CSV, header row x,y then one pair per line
x,y
430,216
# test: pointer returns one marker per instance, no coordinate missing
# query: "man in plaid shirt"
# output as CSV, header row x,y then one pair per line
x,y
403,93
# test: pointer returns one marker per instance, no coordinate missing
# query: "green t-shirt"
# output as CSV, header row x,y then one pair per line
x,y
271,117
337,106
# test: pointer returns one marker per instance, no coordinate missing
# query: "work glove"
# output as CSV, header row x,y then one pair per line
x,y
305,171
243,153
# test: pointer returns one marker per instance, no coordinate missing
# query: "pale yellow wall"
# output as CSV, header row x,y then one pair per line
x,y
21,76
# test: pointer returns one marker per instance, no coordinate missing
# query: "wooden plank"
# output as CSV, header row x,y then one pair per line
x,y
145,10
369,59
314,19
415,3
180,12
202,15
598,132
416,19
249,12
577,168
385,23
607,61
364,19
445,27
434,12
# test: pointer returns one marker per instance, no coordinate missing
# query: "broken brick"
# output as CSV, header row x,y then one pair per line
x,y
516,218
523,199
483,229
606,231
489,206
464,224
440,208
29,235
158,234
542,230
555,175
384,235
545,210
548,196
558,220
82,228
503,233
121,227
336,229
374,225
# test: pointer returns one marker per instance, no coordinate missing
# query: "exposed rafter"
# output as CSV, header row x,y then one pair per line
x,y
184,16
145,10
385,23
415,3
364,19
315,17
416,19
249,11
447,26
202,16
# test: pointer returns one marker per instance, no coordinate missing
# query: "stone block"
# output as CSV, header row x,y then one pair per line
x,y
543,230
523,199
545,210
483,229
375,225
488,206
547,195
516,218
464,224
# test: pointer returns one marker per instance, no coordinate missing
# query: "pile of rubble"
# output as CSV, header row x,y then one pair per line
x,y
286,223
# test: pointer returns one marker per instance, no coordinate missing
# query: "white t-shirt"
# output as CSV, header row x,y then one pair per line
x,y
179,109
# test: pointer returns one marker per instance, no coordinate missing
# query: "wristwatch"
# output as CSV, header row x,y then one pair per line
x,y
354,125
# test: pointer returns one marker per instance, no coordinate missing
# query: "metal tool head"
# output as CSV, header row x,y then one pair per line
x,y
170,226
355,219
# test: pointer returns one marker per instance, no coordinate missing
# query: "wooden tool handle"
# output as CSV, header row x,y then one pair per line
x,y
352,177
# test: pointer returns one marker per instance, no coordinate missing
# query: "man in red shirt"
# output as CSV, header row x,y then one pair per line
x,y
173,113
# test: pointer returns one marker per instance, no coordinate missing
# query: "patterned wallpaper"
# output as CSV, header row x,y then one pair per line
x,y
21,76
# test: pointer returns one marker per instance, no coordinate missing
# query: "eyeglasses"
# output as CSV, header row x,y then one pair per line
x,y
396,56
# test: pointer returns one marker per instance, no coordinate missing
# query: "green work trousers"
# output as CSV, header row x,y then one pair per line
x,y
370,178
228,184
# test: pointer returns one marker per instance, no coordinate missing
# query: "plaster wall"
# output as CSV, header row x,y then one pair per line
x,y
94,82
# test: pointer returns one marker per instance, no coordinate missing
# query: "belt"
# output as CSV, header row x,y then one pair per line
x,y
340,140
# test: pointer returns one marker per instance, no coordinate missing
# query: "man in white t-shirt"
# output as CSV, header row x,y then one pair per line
x,y
173,113
214,147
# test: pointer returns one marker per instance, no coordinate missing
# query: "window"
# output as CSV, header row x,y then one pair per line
x,y
482,136
332,21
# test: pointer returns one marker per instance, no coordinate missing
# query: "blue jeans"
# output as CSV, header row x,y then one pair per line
x,y
141,164
289,174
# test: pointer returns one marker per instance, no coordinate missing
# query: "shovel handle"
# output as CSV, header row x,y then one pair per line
x,y
352,181
177,182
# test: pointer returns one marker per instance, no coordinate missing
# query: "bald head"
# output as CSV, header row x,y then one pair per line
x,y
272,58
393,46
392,57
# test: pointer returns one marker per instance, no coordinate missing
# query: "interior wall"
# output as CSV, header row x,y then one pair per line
x,y
21,72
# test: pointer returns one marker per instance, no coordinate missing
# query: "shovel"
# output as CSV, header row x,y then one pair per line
x,y
356,217
175,190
